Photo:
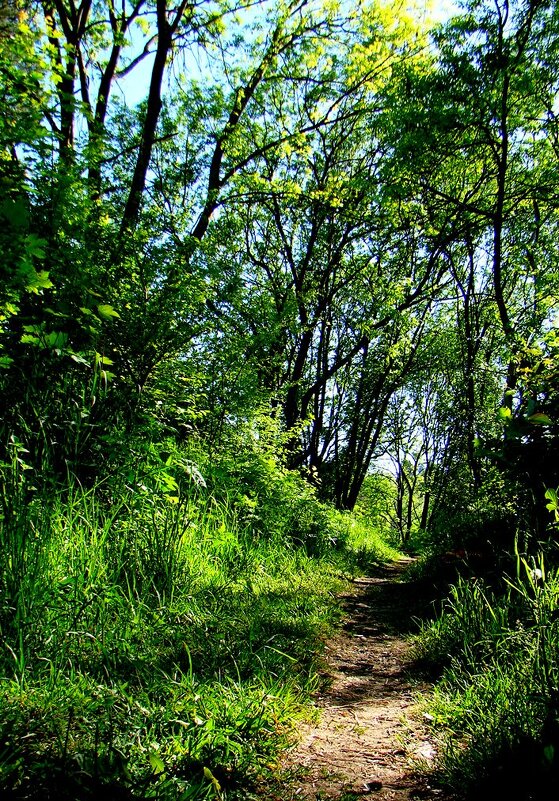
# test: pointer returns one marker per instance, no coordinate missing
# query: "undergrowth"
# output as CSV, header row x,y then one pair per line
x,y
496,705
160,636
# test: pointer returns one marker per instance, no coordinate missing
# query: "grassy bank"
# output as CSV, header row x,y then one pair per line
x,y
161,638
496,704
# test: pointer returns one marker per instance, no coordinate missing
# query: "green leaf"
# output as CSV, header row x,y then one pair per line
x,y
42,281
106,312
35,246
56,339
551,496
210,777
540,419
103,360
156,763
79,359
55,313
106,375
29,339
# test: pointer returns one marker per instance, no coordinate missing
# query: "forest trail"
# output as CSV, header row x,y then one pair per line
x,y
366,741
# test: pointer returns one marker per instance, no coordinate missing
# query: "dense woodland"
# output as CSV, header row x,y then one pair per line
x,y
279,291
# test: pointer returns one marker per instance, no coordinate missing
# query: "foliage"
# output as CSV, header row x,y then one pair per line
x,y
159,637
485,518
496,705
251,256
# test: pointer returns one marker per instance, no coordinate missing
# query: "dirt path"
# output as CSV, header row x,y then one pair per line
x,y
366,741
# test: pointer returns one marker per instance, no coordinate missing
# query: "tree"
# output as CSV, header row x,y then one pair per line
x,y
486,148
317,286
476,115
127,289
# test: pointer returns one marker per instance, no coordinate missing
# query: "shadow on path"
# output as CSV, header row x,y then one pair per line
x,y
368,739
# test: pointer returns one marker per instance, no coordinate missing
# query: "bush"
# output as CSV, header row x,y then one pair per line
x,y
485,517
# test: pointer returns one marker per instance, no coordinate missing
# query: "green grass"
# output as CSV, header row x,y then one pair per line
x,y
496,705
367,546
155,642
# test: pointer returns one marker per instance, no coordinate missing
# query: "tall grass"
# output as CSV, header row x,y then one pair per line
x,y
157,640
496,705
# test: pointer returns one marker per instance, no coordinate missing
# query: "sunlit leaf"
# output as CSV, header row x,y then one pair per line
x,y
156,763
103,360
106,312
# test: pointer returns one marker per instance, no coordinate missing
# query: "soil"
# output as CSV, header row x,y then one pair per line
x,y
369,741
